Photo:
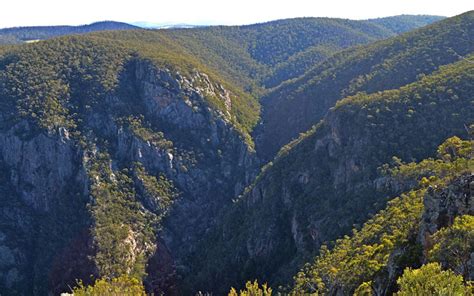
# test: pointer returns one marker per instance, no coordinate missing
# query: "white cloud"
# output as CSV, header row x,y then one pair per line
x,y
54,12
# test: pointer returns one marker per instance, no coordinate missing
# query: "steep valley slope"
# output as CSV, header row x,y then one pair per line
x,y
295,106
95,147
330,179
139,153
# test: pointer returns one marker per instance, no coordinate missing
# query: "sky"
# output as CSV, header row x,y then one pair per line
x,y
212,12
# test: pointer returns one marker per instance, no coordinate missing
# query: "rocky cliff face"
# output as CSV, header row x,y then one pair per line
x,y
46,176
305,199
442,206
43,179
329,180
210,162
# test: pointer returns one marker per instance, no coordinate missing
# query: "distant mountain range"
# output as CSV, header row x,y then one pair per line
x,y
17,35
24,34
152,25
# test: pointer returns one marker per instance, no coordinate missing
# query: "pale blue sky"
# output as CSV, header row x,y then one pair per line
x,y
74,12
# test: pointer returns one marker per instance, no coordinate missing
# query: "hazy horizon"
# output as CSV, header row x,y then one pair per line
x,y
144,24
23,13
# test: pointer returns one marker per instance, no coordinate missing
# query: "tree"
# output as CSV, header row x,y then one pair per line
x,y
453,148
365,289
252,289
431,280
122,285
453,245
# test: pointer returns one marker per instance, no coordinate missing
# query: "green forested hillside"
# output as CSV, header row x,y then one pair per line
x,y
276,51
389,242
103,131
274,42
102,57
295,106
127,161
404,23
319,186
250,53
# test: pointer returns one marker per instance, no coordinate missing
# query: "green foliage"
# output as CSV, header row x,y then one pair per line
x,y
119,286
41,81
56,83
405,23
365,289
328,179
431,280
146,133
453,245
382,65
252,289
159,190
86,85
124,231
357,259
455,148
299,63
273,52
454,157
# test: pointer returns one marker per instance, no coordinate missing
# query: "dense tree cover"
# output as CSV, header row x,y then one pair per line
x,y
299,63
430,279
382,65
54,81
84,92
118,286
358,259
232,56
5,48
279,50
38,81
21,34
404,23
276,41
127,213
319,186
86,88
251,49
252,289
123,230
453,245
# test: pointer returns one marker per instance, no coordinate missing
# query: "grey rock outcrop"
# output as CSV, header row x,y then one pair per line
x,y
443,205
45,182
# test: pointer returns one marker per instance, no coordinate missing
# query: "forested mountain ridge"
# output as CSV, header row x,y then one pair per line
x,y
127,159
404,23
319,186
275,51
254,50
433,222
98,138
295,106
24,34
